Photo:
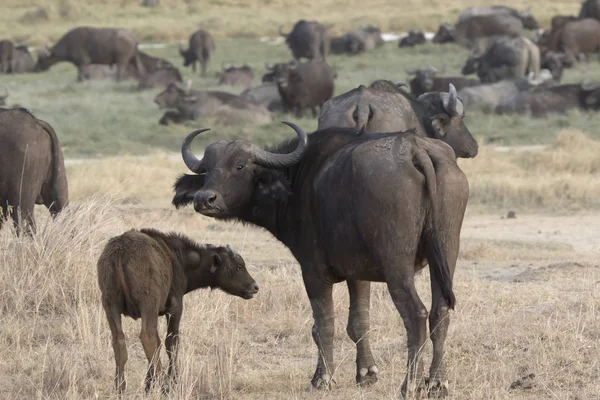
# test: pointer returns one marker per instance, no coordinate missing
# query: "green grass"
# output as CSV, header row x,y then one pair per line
x,y
105,118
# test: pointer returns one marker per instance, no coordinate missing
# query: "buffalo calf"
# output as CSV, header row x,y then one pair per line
x,y
144,274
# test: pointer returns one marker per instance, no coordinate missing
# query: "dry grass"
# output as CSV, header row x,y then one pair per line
x,y
514,317
43,21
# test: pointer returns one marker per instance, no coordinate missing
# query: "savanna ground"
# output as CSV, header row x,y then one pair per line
x,y
527,288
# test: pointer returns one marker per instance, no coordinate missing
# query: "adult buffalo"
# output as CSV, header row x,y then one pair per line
x,y
444,34
7,49
200,49
225,108
32,169
436,115
308,39
304,85
86,45
573,38
236,76
505,58
22,61
557,99
590,9
526,18
477,31
413,38
426,80
350,207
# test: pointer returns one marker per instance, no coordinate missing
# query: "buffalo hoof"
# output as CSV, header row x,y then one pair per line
x,y
367,377
437,389
322,382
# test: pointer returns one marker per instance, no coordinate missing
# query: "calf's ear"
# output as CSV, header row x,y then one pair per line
x,y
217,262
186,187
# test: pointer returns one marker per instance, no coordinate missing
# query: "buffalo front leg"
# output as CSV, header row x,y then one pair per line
x,y
358,331
321,301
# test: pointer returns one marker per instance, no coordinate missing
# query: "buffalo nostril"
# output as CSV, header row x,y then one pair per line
x,y
211,199
255,287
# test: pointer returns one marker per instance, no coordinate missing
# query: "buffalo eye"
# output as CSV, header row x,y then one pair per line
x,y
240,167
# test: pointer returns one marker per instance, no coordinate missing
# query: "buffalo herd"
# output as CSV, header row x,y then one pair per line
x,y
374,195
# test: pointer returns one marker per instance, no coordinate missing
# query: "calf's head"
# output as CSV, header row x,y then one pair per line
x,y
230,273
234,179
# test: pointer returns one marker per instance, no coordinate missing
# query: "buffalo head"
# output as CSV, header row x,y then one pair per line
x,y
283,71
232,176
445,113
472,64
445,34
45,59
591,95
554,62
529,22
173,95
425,76
188,56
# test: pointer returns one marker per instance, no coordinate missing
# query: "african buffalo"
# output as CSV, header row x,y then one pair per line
x,y
526,18
555,63
266,94
426,80
479,30
22,61
573,38
145,273
7,49
590,9
86,45
236,76
436,115
3,95
225,107
160,78
350,207
201,47
368,37
505,58
557,99
32,169
413,38
444,34
308,39
304,85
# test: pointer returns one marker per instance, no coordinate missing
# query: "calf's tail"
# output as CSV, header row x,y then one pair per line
x,y
436,256
131,306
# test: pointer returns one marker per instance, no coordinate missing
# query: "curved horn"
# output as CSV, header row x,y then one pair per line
x,y
275,160
190,160
450,103
281,32
400,84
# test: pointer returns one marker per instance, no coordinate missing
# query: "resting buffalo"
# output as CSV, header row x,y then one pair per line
x,y
505,58
368,37
413,38
200,49
7,49
526,18
266,94
445,34
557,99
573,38
590,9
225,108
22,61
308,39
304,85
32,169
436,115
236,76
85,45
478,30
160,78
426,80
350,207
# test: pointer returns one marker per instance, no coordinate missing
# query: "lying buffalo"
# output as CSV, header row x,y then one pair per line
x,y
236,76
7,49
200,49
367,38
436,115
426,80
304,85
350,207
85,45
526,18
32,169
266,94
308,39
444,34
160,78
505,58
413,38
22,61
225,108
557,99
478,30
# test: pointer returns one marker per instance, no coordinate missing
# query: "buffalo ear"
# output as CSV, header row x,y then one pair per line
x,y
186,187
217,262
272,184
438,122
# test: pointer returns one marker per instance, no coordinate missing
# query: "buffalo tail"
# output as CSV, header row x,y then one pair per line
x,y
132,309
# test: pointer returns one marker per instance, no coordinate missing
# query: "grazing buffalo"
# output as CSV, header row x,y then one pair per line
x,y
590,9
526,18
266,94
200,49
573,38
478,30
308,39
145,273
390,109
444,34
22,61
557,99
350,207
426,80
413,38
225,107
505,58
486,97
32,169
3,95
7,49
85,45
304,85
236,76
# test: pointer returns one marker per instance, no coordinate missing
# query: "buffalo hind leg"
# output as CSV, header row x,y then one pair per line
x,y
119,346
172,339
358,331
439,319
23,220
321,301
151,343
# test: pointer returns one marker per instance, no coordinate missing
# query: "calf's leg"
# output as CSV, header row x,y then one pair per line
x,y
151,343
172,339
119,346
